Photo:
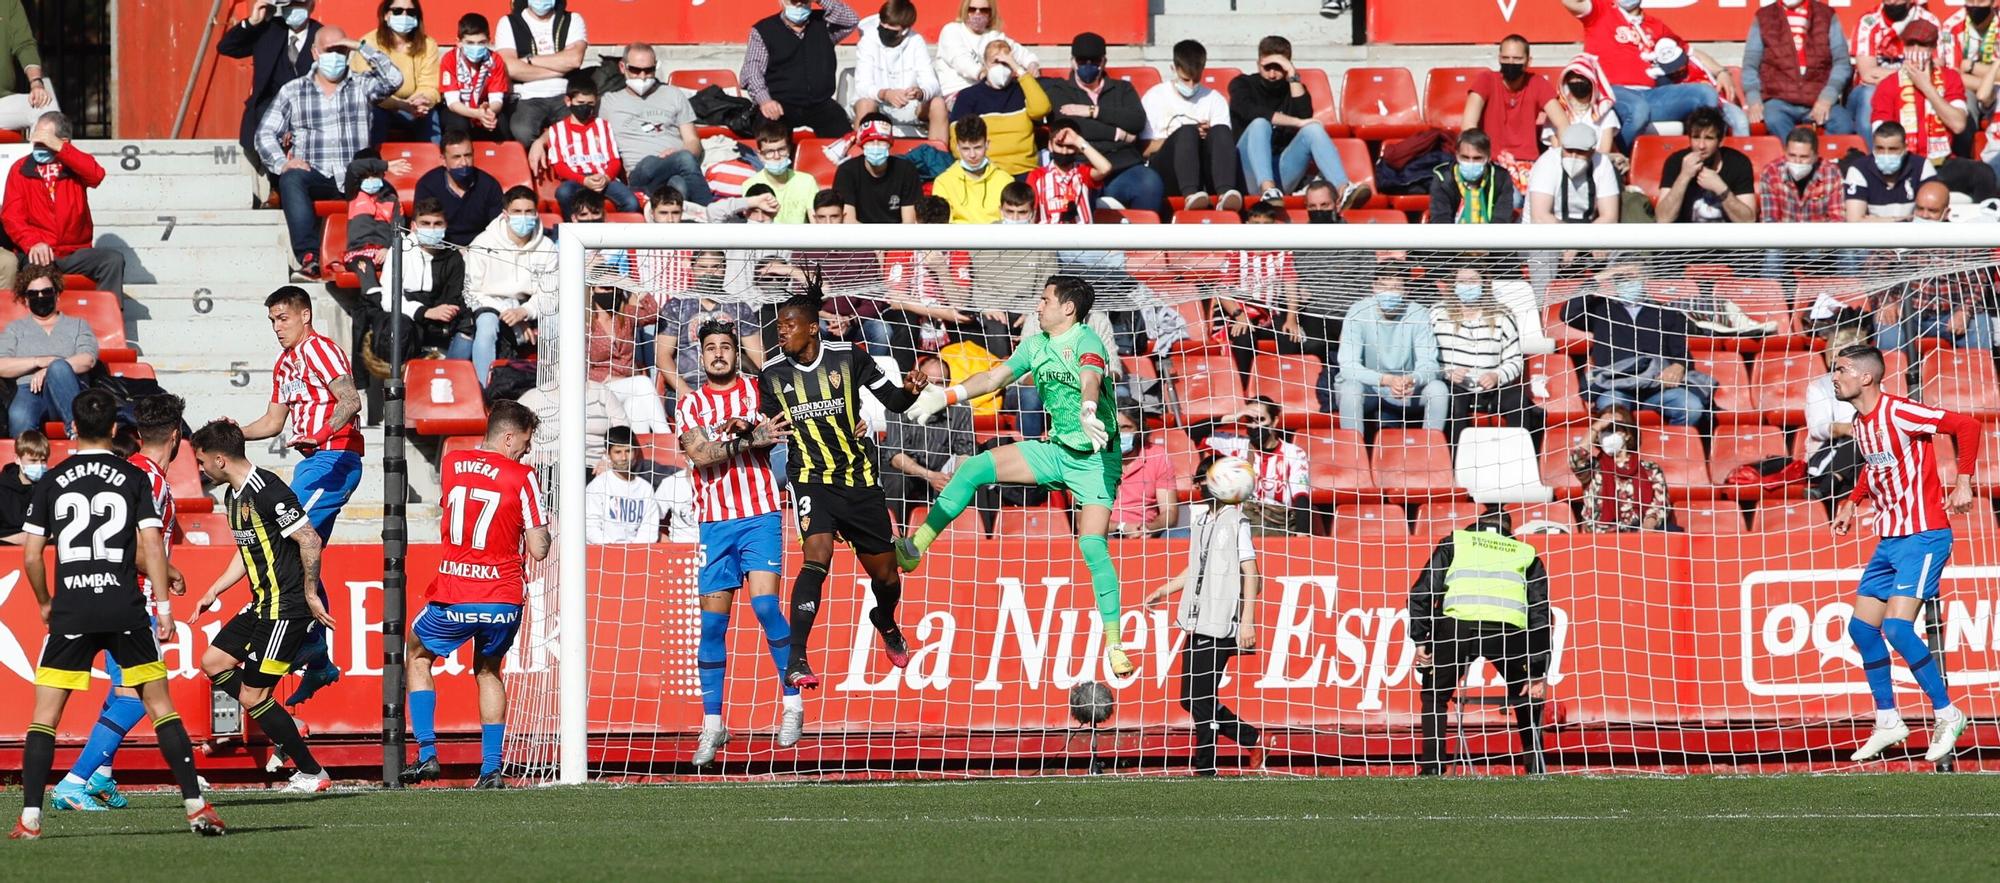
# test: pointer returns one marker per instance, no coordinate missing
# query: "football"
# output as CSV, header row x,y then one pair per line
x,y
1090,703
1230,480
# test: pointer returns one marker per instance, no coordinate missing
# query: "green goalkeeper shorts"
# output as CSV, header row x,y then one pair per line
x,y
1091,478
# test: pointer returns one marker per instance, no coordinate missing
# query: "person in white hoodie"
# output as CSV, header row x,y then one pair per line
x,y
961,49
510,278
893,73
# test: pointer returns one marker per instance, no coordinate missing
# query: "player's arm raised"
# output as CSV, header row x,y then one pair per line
x,y
931,399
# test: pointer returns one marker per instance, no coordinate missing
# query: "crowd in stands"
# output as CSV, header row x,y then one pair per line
x,y
1883,121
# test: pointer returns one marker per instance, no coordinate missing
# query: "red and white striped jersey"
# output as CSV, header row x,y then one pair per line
x,y
742,486
1899,468
1282,475
1060,193
1261,276
302,381
665,271
163,503
576,150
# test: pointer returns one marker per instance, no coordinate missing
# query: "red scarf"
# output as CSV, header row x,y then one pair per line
x,y
472,78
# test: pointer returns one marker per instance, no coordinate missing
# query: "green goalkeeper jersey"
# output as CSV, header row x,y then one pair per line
x,y
1058,363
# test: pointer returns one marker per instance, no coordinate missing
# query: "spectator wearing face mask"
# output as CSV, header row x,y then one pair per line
x,y
1573,185
279,36
1283,481
45,353
46,211
1621,492
1110,115
1799,188
961,49
1388,360
473,83
1927,97
1472,190
1878,52
972,185
1009,102
878,187
1638,349
1480,359
1707,182
1883,189
1940,305
790,68
17,479
921,455
1974,38
315,127
373,214
582,150
1583,96
1795,67
469,196
793,188
542,43
433,288
1075,170
654,125
1510,105
893,73
1147,501
614,318
409,113
510,276
1651,72
1188,136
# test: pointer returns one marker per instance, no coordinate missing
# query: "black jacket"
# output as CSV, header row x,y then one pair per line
x,y
1427,605
265,45
1118,108
13,500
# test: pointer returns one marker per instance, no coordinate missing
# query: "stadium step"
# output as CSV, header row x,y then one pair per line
x,y
164,245
183,193
206,157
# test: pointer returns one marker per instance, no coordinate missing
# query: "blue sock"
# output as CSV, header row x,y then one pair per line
x,y
491,738
1910,645
118,716
423,722
1874,661
771,615
712,655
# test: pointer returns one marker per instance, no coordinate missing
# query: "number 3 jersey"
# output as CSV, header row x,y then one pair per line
x,y
490,504
91,508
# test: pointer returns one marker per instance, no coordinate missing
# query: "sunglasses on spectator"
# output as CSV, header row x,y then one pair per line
x,y
43,290
972,9
642,71
404,10
1275,68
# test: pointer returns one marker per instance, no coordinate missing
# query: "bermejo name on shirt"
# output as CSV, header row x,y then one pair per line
x,y
466,570
96,469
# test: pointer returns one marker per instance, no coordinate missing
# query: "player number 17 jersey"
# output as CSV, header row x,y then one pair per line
x,y
490,504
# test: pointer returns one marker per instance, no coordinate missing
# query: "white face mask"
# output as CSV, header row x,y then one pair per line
x,y
1799,170
1612,443
998,76
1575,166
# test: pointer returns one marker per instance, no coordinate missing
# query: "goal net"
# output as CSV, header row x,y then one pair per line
x,y
1389,385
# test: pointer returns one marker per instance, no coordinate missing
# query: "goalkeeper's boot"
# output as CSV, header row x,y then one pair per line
x,y
105,789
490,782
908,556
711,742
23,832
424,771
1944,737
1882,739
895,647
800,675
791,726
70,795
205,822
1121,665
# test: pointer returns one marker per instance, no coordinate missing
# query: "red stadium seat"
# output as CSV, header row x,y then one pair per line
x,y
1141,78
1218,78
1016,523
1649,160
1374,216
1380,103
1123,216
660,447
100,309
1056,73
1337,466
1292,382
206,529
423,157
1987,476
453,407
1977,522
1355,163
1962,381
1678,451
1743,445
1762,150
1554,513
459,443
1325,108
1716,518
1780,380
1379,522
1206,216
333,244
1565,402
1414,464
697,79
184,483
1835,147
1843,289
810,158
1437,520
131,371
1444,96
545,190
1182,453
506,161
1209,387
1790,515
1734,399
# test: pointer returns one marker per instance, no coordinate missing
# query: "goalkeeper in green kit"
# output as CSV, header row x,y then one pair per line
x,y
1069,362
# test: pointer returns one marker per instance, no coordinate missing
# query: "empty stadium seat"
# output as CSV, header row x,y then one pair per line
x,y
1355,163
1182,454
697,79
1524,514
1762,150
1292,382
1437,520
1380,522
1208,385
1380,103
206,529
1678,451
1374,216
1337,466
1141,78
131,371
1019,523
184,483
1413,464
1554,457
1326,108
1742,445
1780,379
1835,147
1498,465
1649,161
332,245
444,397
1123,216
810,158
1445,91
1207,216
1218,78
423,157
1564,403
1717,518
506,161
1962,381
1790,515
1734,400
1056,73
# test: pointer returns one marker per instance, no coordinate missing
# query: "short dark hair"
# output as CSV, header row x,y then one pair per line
x,y
1868,359
472,23
1075,291
620,437
580,84
666,194
1321,184
219,437
1191,58
759,189
1477,140
1890,129
1270,211
454,137
970,129
1274,45
429,205
1804,135
124,439
1516,38
517,193
1017,193
508,414
1392,269
1061,124
773,130
290,296
899,13
1705,119
159,416
933,210
586,198
94,411
828,198
717,326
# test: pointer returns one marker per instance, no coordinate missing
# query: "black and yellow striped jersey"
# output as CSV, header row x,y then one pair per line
x,y
263,514
823,400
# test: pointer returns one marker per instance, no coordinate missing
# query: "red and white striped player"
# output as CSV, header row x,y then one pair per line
x,y
580,150
727,443
1899,473
1283,472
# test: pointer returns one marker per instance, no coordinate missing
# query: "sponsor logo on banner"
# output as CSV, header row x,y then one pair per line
x,y
1794,632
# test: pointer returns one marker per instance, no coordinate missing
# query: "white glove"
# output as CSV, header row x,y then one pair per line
x,y
1093,428
930,400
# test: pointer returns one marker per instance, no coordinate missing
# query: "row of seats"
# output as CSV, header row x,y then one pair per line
x,y
1388,522
1650,152
183,476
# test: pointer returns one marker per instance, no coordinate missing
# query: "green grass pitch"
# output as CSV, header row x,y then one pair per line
x,y
1835,827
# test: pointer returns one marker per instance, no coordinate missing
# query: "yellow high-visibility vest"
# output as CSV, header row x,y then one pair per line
x,y
1488,578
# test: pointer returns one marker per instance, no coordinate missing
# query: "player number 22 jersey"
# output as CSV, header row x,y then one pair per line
x,y
490,504
91,509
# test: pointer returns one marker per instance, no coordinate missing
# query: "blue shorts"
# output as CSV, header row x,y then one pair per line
x,y
730,549
1907,566
442,628
323,483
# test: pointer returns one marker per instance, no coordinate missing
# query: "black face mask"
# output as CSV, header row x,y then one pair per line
x,y
1512,71
42,303
1979,14
1321,216
605,300
889,38
1262,438
1896,12
583,113
462,175
1063,160
1278,85
1579,90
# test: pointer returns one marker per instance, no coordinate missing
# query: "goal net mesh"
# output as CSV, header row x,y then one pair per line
x,y
1697,597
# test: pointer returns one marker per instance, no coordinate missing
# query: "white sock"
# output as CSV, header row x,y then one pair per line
x,y
71,779
31,816
1949,713
194,804
1888,719
795,702
105,771
711,722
